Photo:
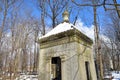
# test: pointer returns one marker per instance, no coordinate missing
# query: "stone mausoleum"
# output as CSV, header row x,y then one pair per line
x,y
66,54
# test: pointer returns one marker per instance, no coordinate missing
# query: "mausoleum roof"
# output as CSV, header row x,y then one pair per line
x,y
62,27
62,30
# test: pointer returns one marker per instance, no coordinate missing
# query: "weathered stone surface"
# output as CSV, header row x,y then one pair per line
x,y
74,49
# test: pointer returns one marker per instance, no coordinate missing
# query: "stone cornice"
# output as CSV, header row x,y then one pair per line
x,y
72,35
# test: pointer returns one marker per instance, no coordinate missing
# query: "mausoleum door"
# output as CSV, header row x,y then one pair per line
x,y
56,68
87,66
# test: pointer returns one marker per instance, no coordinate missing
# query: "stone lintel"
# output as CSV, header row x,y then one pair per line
x,y
63,58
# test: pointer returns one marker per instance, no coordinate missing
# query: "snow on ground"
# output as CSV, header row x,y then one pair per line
x,y
27,77
116,75
113,74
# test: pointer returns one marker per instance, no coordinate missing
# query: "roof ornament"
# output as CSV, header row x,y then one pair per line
x,y
65,16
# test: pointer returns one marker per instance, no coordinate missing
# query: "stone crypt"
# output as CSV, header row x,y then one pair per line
x,y
66,54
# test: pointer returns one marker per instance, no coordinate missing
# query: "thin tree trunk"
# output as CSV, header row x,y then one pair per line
x,y
97,45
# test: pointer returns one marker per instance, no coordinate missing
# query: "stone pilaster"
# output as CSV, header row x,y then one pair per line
x,y
63,67
42,64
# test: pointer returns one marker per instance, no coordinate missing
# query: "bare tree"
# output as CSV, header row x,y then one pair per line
x,y
114,29
52,9
6,6
95,4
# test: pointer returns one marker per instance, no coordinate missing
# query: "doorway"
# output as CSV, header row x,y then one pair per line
x,y
87,66
56,68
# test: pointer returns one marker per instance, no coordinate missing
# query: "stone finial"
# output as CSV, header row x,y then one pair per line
x,y
65,16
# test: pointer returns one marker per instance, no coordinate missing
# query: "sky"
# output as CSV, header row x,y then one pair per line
x,y
85,16
85,13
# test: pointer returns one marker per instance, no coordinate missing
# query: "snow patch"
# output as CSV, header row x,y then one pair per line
x,y
88,31
27,77
116,75
62,27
